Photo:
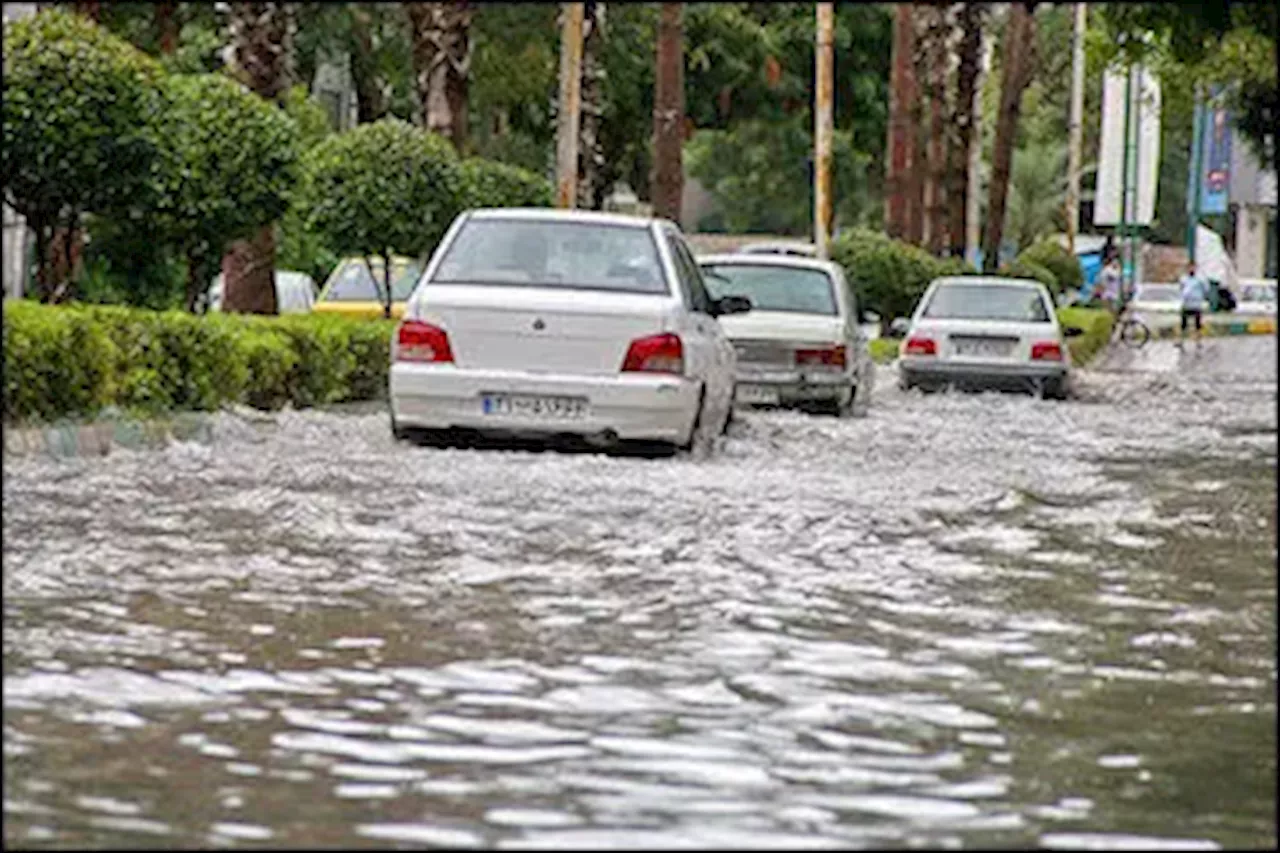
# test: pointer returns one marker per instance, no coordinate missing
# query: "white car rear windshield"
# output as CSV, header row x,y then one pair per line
x,y
774,288
569,255
987,302
352,282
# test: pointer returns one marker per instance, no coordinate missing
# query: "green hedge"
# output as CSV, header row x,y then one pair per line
x,y
1064,266
1020,267
1097,325
73,361
887,275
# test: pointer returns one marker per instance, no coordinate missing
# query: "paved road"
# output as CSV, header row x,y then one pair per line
x,y
964,620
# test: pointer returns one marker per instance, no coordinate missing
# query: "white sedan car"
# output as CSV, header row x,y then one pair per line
x,y
551,323
986,332
1257,297
1156,298
802,343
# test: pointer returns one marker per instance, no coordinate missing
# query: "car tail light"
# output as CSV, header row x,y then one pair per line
x,y
1046,351
419,341
827,357
655,354
920,346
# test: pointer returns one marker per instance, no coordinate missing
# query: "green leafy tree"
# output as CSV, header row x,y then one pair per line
x,y
1037,193
487,183
78,102
227,167
381,190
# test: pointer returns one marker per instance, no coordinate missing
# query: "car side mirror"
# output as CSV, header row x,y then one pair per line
x,y
899,327
726,305
1072,331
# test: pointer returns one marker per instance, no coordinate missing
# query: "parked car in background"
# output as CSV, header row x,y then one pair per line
x,y
551,323
1256,296
985,332
780,247
350,289
1156,298
295,292
801,344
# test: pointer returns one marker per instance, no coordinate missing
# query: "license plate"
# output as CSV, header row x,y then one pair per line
x,y
534,406
760,395
983,347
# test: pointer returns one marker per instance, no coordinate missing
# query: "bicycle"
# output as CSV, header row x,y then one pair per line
x,y
1131,331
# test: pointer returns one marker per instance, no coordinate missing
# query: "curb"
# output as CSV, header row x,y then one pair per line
x,y
1251,326
67,440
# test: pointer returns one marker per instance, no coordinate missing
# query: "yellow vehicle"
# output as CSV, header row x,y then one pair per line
x,y
351,292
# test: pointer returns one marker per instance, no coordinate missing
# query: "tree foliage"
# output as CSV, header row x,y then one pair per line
x,y
488,183
383,189
227,167
77,106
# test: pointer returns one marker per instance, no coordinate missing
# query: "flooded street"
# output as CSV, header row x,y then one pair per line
x,y
965,620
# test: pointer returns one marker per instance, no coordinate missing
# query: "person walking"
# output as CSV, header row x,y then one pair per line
x,y
1195,292
1107,288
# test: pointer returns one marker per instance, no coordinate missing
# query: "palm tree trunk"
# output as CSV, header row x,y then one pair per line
x,y
971,17
590,151
262,58
937,58
917,176
370,103
668,114
167,26
91,9
901,143
1018,60
441,35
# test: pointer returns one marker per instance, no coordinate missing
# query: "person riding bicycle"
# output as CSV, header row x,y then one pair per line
x,y
1195,293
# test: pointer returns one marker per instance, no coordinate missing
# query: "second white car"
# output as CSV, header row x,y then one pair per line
x,y
802,343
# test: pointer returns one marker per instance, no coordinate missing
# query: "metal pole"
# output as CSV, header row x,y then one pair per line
x,y
973,229
1193,191
823,130
1124,181
570,105
1137,181
1076,123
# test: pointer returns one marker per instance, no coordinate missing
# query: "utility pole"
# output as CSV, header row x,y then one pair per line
x,y
1125,174
973,228
823,130
1196,166
570,105
1074,131
668,114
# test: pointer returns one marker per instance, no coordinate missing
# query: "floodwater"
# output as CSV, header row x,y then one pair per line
x,y
963,621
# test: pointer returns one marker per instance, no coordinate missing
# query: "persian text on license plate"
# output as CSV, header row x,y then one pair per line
x,y
761,395
534,406
983,347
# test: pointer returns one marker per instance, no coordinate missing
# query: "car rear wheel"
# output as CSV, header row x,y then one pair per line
x,y
1054,389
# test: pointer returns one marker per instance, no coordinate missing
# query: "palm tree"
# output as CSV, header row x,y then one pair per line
x,y
590,150
668,114
901,147
441,37
1018,61
971,17
1037,190
934,57
260,54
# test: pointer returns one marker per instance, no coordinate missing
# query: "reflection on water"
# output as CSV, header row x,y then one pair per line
x,y
961,621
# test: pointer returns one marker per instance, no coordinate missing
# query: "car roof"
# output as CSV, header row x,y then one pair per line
x,y
767,260
988,279
550,214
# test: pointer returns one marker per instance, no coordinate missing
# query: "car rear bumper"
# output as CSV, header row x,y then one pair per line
x,y
794,386
979,373
625,407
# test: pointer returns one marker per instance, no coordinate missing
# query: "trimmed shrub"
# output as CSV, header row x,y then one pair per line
x,y
487,183
1022,268
74,360
56,363
1064,266
889,276
1096,323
